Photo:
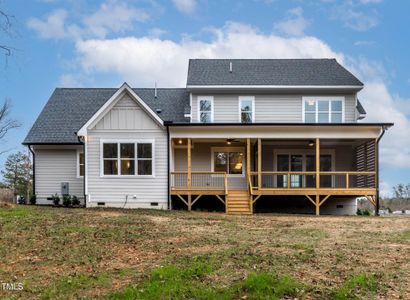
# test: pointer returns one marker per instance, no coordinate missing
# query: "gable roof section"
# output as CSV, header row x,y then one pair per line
x,y
68,109
269,72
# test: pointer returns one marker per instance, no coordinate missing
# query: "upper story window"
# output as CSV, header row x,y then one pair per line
x,y
323,109
206,109
246,109
128,158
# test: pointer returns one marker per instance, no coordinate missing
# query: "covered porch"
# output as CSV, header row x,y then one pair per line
x,y
240,171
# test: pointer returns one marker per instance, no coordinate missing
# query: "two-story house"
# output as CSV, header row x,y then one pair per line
x,y
247,134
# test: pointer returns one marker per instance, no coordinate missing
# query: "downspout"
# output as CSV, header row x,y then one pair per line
x,y
34,168
377,171
169,169
85,166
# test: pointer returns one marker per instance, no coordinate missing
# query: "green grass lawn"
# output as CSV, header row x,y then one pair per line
x,y
60,253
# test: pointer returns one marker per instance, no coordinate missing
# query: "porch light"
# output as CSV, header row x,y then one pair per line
x,y
180,141
311,143
228,142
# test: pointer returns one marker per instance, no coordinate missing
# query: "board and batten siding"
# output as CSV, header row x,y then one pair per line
x,y
127,121
54,166
269,108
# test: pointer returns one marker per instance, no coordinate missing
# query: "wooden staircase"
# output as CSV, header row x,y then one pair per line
x,y
238,203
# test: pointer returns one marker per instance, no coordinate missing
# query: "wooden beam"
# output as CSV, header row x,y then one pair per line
x,y
220,198
317,163
196,199
189,175
255,199
182,199
317,205
310,199
324,199
248,157
259,164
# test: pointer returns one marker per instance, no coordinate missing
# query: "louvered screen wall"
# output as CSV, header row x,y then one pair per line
x,y
366,162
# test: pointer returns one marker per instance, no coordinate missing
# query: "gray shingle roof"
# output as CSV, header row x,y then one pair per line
x,y
68,109
360,108
269,72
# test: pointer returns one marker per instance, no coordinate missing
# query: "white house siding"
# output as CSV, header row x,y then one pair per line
x,y
269,108
54,166
127,121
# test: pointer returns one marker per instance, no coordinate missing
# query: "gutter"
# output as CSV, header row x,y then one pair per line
x,y
377,171
169,169
34,168
179,124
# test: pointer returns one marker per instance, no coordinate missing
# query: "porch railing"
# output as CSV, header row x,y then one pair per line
x,y
214,181
307,180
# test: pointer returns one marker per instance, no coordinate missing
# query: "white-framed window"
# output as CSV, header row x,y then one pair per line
x,y
323,109
228,159
127,158
80,164
205,109
247,109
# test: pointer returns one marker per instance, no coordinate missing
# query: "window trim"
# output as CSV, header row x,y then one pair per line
x,y
319,98
228,149
246,98
126,141
206,98
78,163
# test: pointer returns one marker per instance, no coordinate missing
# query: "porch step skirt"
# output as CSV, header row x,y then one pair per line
x,y
238,203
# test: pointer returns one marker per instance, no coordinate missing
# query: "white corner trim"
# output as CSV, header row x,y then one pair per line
x,y
242,98
111,102
208,98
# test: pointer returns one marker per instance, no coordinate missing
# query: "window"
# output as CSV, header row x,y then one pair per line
x,y
127,159
205,109
246,109
80,164
323,109
228,160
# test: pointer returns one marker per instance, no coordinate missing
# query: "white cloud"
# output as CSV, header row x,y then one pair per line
x,y
156,32
165,61
294,25
112,16
52,27
353,17
185,6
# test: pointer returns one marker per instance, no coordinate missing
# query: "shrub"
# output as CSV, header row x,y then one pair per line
x,y
56,199
33,200
363,212
67,200
75,201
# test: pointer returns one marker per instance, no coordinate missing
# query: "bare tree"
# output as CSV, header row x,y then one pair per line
x,y
6,29
6,123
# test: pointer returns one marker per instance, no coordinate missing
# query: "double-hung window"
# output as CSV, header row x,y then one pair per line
x,y
246,109
205,109
127,158
323,109
80,164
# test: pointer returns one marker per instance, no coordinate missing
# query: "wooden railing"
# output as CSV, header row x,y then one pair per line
x,y
307,180
214,181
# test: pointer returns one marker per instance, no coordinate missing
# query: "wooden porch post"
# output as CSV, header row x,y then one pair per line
x,y
317,176
189,174
376,179
248,170
259,164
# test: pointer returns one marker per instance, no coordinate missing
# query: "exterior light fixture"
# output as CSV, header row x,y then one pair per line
x,y
180,141
311,143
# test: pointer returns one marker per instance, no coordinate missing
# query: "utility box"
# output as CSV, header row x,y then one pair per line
x,y
65,188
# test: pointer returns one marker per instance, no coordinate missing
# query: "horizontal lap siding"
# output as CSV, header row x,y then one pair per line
x,y
128,121
269,108
54,167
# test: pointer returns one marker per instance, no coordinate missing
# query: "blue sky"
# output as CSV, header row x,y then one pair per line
x,y
104,43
